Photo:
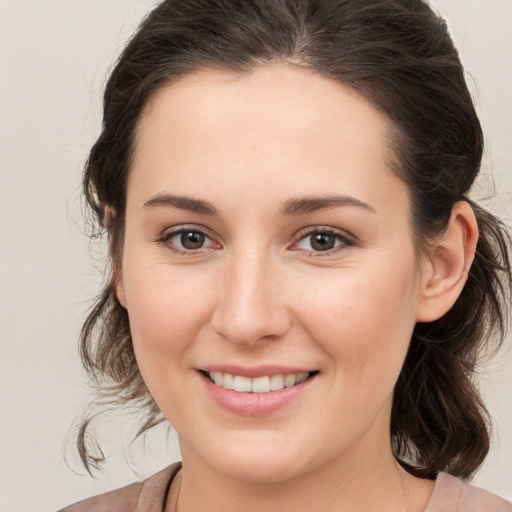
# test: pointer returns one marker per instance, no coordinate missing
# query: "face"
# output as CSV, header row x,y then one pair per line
x,y
268,243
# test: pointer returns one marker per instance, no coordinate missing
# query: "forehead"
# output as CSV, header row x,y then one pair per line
x,y
276,126
256,101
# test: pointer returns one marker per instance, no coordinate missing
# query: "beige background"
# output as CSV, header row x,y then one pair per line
x,y
54,55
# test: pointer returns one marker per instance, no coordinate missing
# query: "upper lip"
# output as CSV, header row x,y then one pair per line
x,y
254,371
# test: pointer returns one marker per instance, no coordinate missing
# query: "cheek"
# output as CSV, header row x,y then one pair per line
x,y
167,312
167,309
364,322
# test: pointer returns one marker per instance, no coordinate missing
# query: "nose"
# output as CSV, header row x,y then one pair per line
x,y
251,306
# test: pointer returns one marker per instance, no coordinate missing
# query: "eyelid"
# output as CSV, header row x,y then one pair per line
x,y
347,239
170,232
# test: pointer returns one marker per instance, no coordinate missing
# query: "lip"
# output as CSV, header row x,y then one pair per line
x,y
255,371
255,404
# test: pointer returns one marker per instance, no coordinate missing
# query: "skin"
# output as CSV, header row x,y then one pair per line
x,y
257,292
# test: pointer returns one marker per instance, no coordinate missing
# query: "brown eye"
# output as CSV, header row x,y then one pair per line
x,y
322,241
187,240
192,240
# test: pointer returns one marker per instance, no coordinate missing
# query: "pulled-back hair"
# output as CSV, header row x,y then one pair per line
x,y
399,56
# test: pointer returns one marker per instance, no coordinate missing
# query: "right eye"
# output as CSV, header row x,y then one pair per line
x,y
187,240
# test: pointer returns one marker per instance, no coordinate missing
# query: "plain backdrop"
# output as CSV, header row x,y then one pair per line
x,y
54,57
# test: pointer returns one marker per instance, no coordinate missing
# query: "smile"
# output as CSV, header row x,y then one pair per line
x,y
263,384
256,391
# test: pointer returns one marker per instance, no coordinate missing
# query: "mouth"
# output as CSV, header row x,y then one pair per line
x,y
257,385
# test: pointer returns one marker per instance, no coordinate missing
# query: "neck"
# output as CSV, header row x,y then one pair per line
x,y
368,482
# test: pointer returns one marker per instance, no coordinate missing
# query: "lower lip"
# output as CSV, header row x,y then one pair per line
x,y
254,404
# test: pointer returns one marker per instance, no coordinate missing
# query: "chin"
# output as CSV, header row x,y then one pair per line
x,y
257,469
259,461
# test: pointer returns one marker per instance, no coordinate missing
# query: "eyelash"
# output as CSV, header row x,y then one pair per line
x,y
339,236
344,239
165,239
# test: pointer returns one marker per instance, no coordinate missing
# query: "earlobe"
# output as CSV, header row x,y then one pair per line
x,y
119,285
109,215
449,260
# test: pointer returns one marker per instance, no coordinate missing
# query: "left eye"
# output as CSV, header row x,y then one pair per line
x,y
188,239
322,241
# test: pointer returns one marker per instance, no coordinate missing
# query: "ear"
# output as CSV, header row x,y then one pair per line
x,y
109,214
119,286
446,267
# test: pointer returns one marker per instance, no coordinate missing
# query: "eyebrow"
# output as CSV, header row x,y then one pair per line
x,y
303,205
291,207
183,203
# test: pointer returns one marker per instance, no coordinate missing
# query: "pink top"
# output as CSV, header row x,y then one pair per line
x,y
450,495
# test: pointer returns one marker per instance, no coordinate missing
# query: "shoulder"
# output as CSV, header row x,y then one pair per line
x,y
146,496
453,495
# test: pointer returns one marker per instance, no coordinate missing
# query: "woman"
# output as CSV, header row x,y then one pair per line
x,y
300,284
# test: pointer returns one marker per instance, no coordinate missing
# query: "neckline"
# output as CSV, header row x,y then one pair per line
x,y
174,469
442,480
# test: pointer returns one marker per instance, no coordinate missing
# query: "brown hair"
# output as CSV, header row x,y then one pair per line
x,y
399,56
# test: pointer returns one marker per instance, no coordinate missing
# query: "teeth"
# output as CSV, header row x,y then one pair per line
x,y
301,377
241,384
290,380
276,382
258,384
227,381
